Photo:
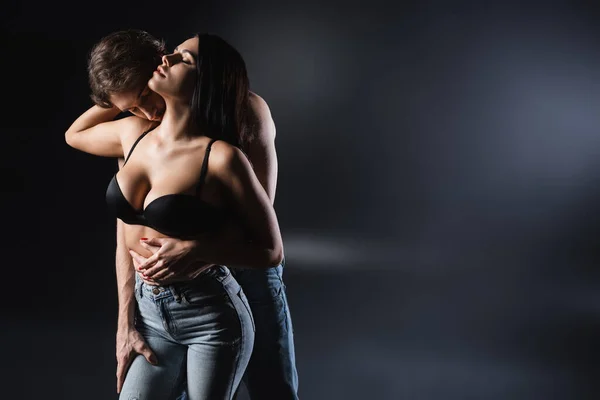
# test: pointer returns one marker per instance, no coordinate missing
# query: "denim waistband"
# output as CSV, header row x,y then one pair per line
x,y
217,272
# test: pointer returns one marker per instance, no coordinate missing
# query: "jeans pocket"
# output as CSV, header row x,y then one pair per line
x,y
203,299
137,289
208,293
244,300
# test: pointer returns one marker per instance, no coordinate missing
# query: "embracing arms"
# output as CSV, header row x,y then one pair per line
x,y
252,194
168,251
253,209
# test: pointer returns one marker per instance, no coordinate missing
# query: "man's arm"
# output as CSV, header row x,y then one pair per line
x,y
261,151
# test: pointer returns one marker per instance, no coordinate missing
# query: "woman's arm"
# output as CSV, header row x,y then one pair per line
x,y
96,133
165,264
251,205
125,281
129,341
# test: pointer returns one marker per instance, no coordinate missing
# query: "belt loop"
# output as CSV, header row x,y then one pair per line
x,y
176,293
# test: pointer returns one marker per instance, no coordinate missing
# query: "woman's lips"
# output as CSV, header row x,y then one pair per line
x,y
161,71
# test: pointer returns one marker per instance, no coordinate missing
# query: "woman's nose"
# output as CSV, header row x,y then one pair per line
x,y
170,59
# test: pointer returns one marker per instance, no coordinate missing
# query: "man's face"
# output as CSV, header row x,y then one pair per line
x,y
143,103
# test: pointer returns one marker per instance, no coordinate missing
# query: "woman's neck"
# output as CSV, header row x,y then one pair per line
x,y
178,123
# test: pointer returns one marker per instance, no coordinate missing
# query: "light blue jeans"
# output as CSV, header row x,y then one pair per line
x,y
202,333
271,372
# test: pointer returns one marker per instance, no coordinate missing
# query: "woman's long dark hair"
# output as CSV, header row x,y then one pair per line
x,y
220,99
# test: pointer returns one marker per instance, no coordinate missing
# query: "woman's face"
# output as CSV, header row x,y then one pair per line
x,y
176,76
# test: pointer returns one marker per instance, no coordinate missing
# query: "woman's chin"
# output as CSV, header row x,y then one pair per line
x,y
153,84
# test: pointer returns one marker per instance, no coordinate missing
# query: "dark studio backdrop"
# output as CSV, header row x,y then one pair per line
x,y
438,194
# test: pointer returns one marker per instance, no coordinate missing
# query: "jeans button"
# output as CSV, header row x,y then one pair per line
x,y
156,290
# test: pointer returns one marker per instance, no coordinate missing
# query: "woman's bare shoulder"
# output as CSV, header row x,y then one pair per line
x,y
224,157
133,127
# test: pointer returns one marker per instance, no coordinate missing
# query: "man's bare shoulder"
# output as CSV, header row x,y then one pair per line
x,y
259,106
261,118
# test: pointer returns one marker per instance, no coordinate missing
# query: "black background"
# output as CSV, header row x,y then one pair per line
x,y
438,193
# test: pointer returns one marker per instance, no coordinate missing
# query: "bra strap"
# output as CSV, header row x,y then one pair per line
x,y
204,165
135,144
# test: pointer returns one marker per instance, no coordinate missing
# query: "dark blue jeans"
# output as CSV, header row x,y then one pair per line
x,y
271,372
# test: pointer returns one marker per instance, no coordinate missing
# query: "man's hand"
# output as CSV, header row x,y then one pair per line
x,y
170,261
130,343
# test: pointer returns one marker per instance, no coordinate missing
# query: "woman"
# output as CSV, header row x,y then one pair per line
x,y
178,181
119,68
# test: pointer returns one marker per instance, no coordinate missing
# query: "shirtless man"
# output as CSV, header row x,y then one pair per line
x,y
119,67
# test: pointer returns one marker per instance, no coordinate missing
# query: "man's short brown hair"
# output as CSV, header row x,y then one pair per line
x,y
122,61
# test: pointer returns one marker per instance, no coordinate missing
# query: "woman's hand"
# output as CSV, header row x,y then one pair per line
x,y
170,262
129,343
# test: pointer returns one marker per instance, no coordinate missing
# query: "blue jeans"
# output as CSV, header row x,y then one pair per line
x,y
201,332
271,373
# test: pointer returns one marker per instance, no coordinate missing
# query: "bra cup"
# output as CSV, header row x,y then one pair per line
x,y
177,215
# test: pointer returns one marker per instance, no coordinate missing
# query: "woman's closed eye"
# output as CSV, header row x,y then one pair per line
x,y
185,56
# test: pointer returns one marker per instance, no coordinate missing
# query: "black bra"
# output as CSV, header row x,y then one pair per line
x,y
177,215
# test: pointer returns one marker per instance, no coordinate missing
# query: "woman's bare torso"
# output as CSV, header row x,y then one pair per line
x,y
155,169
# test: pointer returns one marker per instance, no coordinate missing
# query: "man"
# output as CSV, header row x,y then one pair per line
x,y
119,68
